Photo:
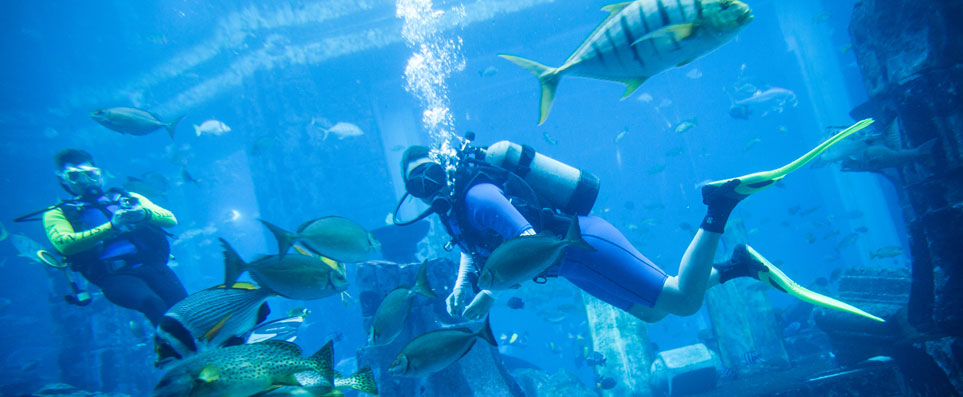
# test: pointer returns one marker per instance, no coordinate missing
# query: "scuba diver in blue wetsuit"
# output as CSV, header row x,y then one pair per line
x,y
114,238
489,195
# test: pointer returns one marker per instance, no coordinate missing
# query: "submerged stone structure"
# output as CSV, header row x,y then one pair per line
x,y
911,58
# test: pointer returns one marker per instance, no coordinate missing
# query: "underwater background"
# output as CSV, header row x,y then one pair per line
x,y
281,73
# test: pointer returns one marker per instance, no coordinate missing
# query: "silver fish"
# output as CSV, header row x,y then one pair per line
x,y
522,258
133,121
389,319
642,38
335,237
294,276
763,103
435,350
26,247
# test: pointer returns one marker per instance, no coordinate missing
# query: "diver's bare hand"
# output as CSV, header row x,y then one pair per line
x,y
480,306
456,301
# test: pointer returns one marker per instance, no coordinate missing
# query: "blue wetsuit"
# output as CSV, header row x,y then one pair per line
x,y
615,273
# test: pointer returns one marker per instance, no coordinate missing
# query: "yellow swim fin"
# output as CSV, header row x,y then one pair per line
x,y
778,280
756,182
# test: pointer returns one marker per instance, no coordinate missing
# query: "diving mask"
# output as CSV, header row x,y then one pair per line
x,y
426,180
82,174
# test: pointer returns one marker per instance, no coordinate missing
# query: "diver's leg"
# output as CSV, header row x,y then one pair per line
x,y
133,293
164,282
615,272
683,294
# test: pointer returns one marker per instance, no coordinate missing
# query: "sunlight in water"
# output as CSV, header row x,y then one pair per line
x,y
434,59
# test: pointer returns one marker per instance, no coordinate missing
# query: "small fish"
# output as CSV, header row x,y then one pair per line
x,y
687,227
862,229
138,330
639,40
522,258
694,74
752,143
645,97
488,71
605,383
549,139
847,241
654,206
341,130
811,238
886,252
810,211
831,234
846,48
879,157
211,127
792,329
50,133
132,121
794,209
621,135
513,338
187,177
26,247
773,100
655,169
822,17
783,129
595,359
686,125
750,357
436,350
298,311
674,151
516,303
3,232
334,237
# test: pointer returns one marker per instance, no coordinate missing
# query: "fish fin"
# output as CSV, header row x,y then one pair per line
x,y
485,332
926,148
284,238
211,333
891,138
574,236
685,62
233,264
363,380
263,312
632,85
679,32
209,373
324,361
197,129
548,78
421,283
172,125
613,9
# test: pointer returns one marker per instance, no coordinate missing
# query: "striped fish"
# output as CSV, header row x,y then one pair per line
x,y
641,38
209,318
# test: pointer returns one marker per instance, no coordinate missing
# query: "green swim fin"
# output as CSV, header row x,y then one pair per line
x,y
756,182
778,280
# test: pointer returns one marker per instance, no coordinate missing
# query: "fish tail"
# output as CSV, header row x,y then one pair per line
x,y
233,264
485,332
363,381
285,239
926,148
173,124
548,78
323,360
421,284
574,236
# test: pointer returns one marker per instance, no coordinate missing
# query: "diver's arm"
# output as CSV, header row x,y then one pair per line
x,y
488,208
157,215
61,233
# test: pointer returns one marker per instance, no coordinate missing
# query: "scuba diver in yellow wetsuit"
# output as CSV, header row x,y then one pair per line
x,y
508,191
114,238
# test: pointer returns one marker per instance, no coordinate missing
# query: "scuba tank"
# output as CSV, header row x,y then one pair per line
x,y
564,187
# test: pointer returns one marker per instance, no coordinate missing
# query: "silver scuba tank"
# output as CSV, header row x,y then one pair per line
x,y
566,188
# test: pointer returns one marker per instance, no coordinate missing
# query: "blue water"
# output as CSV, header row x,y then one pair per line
x,y
273,71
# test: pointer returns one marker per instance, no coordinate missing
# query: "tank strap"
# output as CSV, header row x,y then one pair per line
x,y
525,161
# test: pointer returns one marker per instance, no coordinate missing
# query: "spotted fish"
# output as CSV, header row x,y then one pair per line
x,y
642,38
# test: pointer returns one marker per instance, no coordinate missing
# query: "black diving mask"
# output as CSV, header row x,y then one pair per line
x,y
426,180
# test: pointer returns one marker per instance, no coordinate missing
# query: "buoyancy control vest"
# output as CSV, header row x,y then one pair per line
x,y
142,246
545,191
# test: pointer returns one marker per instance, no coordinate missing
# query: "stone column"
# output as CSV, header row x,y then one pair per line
x,y
623,340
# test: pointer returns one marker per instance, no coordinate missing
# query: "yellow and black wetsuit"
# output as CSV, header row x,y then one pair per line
x,y
130,267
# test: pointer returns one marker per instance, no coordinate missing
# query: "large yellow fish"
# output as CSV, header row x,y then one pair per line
x,y
641,38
